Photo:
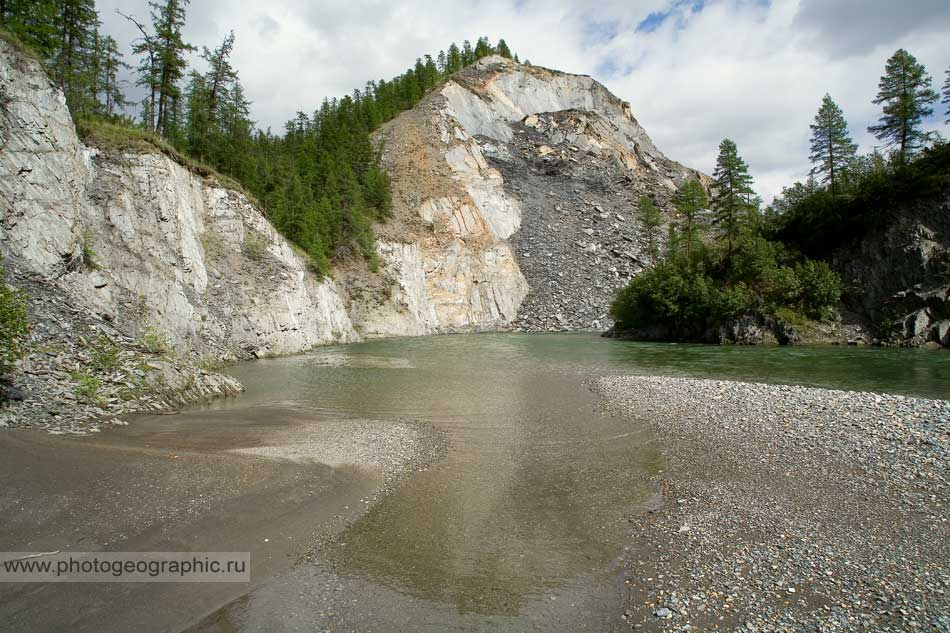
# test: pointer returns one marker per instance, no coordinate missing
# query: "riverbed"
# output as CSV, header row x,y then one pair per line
x,y
516,514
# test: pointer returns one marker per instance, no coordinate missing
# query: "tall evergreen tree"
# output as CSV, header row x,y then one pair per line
x,y
455,62
109,66
946,97
832,149
34,22
483,48
689,200
147,47
907,97
650,221
468,55
221,76
733,198
168,19
74,65
502,49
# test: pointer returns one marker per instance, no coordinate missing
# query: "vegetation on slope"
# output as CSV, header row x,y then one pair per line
x,y
14,325
319,181
772,264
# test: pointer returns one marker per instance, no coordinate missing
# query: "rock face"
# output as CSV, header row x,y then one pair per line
x,y
898,275
144,243
514,193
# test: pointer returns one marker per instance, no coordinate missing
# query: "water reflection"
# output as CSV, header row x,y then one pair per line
x,y
537,485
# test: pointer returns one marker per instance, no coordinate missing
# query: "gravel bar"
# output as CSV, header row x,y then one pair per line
x,y
789,508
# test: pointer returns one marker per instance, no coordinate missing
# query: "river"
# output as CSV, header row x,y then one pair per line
x,y
518,526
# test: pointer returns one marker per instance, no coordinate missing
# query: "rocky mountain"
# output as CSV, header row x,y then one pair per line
x,y
514,190
514,193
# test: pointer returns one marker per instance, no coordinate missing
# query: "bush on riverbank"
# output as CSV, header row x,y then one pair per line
x,y
687,299
14,324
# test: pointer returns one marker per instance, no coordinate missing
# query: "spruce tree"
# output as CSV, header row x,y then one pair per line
x,y
74,64
689,200
221,76
168,19
650,220
455,62
502,49
468,55
946,97
482,48
147,47
109,66
34,22
832,149
906,94
733,198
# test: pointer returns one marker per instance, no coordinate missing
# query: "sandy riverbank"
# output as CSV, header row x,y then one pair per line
x,y
199,481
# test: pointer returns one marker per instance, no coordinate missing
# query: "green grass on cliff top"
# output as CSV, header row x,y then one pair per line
x,y
109,135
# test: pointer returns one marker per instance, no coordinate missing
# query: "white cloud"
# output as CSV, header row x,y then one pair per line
x,y
751,70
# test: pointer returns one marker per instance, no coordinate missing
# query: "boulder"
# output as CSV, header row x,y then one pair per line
x,y
917,324
941,332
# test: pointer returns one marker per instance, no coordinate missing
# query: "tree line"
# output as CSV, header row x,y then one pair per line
x,y
769,263
319,181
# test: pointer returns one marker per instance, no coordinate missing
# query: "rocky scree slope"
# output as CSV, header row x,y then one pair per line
x,y
514,194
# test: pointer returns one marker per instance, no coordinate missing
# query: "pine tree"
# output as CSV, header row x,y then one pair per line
x,y
221,76
733,198
689,200
34,22
946,97
74,64
832,149
906,93
110,64
168,19
455,62
650,220
502,49
482,48
147,47
468,55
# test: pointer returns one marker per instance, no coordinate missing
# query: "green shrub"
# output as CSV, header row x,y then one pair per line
x,y
14,324
105,354
86,387
254,246
690,298
790,316
154,340
89,256
820,287
732,302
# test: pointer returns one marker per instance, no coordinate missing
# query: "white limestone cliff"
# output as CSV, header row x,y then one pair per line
x,y
145,243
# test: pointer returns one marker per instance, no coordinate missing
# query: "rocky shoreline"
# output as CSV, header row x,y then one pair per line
x,y
789,508
80,373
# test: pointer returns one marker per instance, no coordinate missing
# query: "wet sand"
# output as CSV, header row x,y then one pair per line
x,y
155,486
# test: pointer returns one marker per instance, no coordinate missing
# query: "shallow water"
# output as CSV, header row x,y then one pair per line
x,y
531,504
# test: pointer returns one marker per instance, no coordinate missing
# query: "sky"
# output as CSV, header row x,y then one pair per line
x,y
694,71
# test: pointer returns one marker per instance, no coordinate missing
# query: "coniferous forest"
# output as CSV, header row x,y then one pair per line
x,y
318,180
773,263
